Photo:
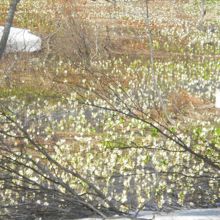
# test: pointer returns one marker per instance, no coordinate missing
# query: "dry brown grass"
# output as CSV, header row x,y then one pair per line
x,y
182,99
183,106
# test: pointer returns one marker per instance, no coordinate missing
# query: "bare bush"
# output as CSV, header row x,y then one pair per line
x,y
80,40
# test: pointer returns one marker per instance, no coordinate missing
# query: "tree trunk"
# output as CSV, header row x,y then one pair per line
x,y
202,12
8,25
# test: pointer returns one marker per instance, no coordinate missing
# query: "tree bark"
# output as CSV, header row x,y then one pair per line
x,y
7,27
202,12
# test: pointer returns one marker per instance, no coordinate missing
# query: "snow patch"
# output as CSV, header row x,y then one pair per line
x,y
21,40
217,98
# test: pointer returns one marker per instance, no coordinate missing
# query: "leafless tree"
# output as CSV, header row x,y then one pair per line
x,y
202,13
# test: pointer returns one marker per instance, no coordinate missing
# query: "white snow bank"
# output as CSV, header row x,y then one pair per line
x,y
217,98
191,214
21,40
